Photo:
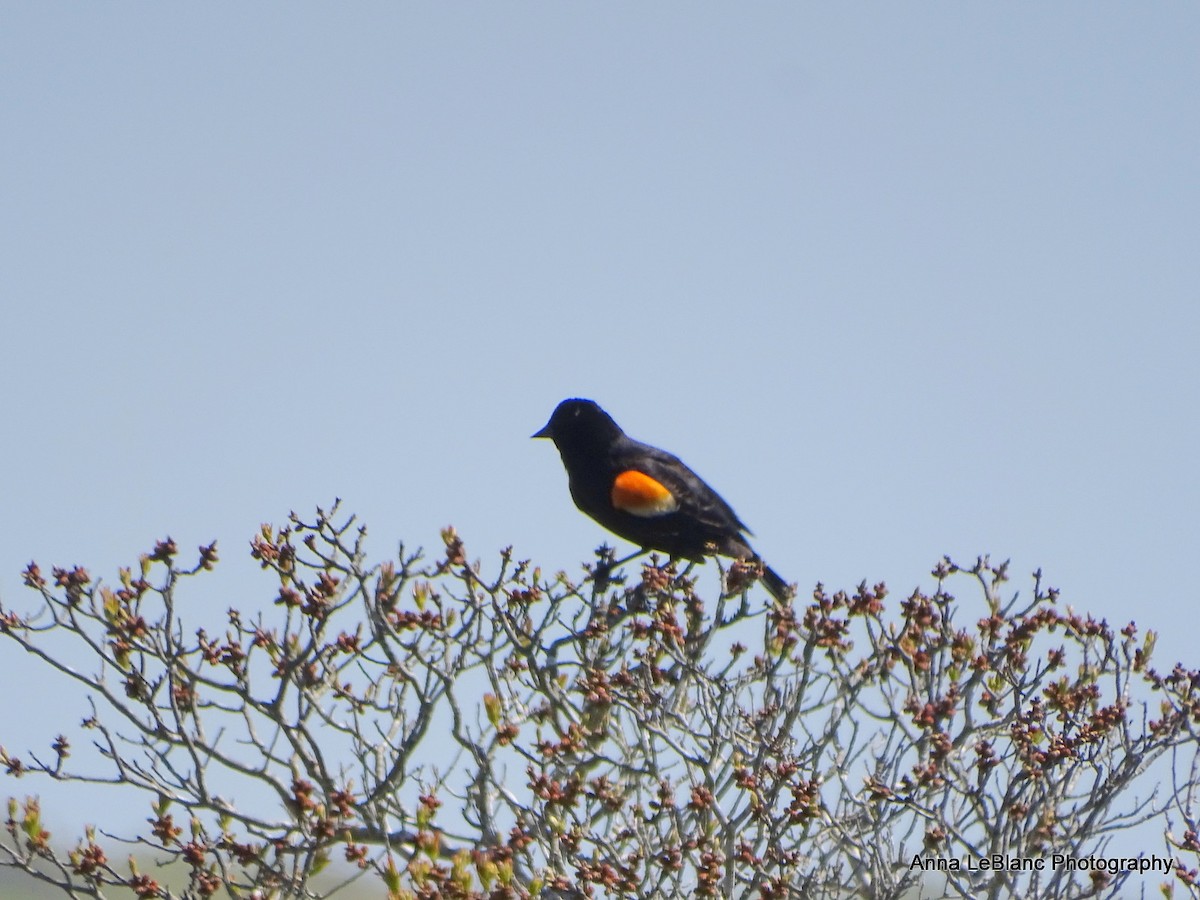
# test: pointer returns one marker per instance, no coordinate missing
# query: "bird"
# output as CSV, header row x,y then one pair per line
x,y
647,495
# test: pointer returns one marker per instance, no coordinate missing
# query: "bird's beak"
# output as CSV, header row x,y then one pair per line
x,y
544,433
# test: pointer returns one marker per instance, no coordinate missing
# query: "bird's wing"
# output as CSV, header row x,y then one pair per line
x,y
694,496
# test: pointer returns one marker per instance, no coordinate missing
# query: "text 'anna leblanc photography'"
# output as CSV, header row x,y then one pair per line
x,y
1055,862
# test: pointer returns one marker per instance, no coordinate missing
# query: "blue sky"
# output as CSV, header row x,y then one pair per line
x,y
898,280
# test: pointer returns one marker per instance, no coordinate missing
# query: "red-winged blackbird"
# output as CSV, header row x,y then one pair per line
x,y
644,494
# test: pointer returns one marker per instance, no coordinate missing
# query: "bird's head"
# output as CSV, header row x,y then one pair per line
x,y
580,423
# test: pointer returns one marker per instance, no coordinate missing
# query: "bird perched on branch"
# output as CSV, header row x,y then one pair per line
x,y
646,495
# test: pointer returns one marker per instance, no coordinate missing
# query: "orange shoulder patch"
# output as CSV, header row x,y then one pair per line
x,y
639,494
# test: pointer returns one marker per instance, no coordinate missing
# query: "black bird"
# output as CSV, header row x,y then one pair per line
x,y
644,494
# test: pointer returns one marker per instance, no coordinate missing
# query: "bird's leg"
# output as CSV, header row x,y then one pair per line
x,y
602,574
631,556
602,577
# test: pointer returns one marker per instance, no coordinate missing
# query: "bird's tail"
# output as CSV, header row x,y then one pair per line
x,y
775,585
772,580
